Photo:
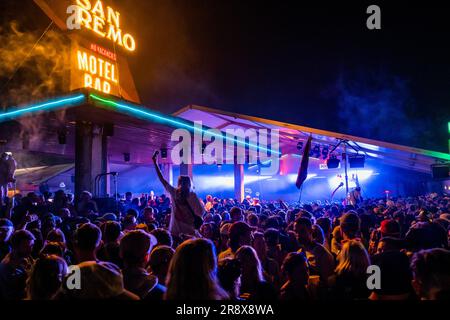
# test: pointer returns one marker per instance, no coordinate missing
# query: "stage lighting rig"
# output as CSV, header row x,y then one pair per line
x,y
325,152
333,162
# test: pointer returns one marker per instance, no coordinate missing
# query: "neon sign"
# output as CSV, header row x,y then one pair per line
x,y
98,73
104,22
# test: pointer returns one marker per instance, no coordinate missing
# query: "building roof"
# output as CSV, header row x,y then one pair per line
x,y
291,134
139,127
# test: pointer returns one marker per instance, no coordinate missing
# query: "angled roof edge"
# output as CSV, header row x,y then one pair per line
x,y
389,145
62,102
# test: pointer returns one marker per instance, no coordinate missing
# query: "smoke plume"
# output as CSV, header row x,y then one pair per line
x,y
31,71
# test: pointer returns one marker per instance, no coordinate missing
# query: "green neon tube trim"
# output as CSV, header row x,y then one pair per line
x,y
147,114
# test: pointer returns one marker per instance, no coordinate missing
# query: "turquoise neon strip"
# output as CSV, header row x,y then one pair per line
x,y
147,114
47,106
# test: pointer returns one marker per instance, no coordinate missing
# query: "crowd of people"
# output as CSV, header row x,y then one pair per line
x,y
180,247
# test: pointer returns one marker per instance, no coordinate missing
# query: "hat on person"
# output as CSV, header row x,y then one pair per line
x,y
98,280
390,228
239,228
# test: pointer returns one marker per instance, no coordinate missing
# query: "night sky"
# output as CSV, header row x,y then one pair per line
x,y
312,63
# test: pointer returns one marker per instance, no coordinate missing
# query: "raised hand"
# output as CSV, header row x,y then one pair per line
x,y
155,156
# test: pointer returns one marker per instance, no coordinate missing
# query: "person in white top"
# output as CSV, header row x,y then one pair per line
x,y
186,206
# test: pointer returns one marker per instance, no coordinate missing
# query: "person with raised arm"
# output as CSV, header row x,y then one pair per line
x,y
187,210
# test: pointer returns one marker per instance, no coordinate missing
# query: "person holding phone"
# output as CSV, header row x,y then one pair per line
x,y
187,210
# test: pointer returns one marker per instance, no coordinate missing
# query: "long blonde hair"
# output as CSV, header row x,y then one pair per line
x,y
46,277
353,259
192,273
252,271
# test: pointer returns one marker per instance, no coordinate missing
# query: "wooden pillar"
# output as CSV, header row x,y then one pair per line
x,y
83,157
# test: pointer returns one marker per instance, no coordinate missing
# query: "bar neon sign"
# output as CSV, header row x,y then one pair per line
x,y
98,73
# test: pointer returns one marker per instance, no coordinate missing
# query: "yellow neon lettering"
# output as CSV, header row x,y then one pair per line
x,y
128,42
98,10
113,17
113,74
82,61
99,23
87,80
93,65
85,4
108,71
106,87
100,67
114,35
84,18
98,84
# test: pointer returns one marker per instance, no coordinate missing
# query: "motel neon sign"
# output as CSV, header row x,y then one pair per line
x,y
102,20
98,73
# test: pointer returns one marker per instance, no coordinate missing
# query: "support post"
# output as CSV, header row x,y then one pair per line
x,y
239,182
91,159
346,168
83,157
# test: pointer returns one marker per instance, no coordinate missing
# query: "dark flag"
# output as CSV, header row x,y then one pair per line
x,y
303,172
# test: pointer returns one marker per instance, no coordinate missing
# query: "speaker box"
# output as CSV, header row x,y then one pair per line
x,y
333,163
440,171
357,161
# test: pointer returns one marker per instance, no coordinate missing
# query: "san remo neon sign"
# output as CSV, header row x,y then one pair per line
x,y
104,21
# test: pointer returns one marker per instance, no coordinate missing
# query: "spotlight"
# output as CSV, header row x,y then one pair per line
x,y
333,162
126,157
325,152
316,151
164,153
